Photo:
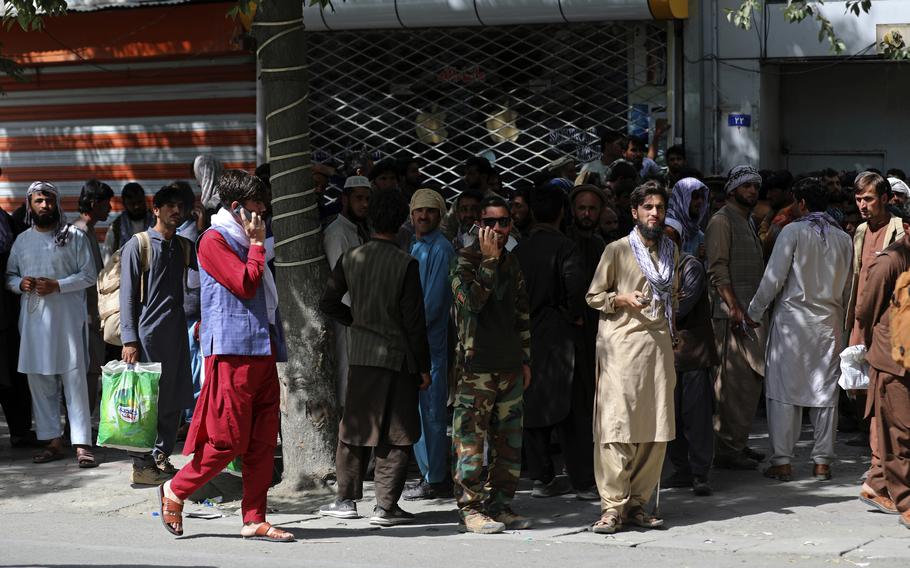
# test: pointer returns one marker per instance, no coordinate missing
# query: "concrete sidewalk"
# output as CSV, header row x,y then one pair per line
x,y
749,520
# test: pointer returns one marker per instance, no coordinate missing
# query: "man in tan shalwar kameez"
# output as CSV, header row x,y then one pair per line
x,y
634,288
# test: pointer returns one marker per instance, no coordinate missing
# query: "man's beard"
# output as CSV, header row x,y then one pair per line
x,y
650,233
47,219
138,216
586,224
743,201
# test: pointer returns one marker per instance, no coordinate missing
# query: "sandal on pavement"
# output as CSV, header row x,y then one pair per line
x,y
266,532
639,518
47,455
171,513
608,523
85,458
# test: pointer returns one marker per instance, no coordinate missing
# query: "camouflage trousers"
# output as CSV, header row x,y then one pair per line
x,y
488,407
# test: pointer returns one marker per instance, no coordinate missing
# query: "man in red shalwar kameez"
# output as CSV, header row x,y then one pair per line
x,y
241,339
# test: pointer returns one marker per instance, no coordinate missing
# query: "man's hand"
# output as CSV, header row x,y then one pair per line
x,y
633,301
526,375
28,284
198,214
254,227
740,320
425,381
737,315
130,353
46,286
489,242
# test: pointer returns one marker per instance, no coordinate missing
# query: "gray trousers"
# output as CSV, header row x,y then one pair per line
x,y
784,426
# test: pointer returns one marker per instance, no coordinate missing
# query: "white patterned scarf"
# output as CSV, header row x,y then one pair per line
x,y
660,277
225,221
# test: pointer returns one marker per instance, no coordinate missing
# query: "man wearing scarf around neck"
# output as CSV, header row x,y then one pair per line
x,y
635,289
735,267
240,333
51,266
808,280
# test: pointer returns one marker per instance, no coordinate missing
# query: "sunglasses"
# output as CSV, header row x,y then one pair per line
x,y
493,221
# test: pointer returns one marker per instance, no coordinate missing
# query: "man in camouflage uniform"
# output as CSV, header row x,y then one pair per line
x,y
494,342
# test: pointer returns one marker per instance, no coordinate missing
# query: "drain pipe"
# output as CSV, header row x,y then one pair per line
x,y
715,114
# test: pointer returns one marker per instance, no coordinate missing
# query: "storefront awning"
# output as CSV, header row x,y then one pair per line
x,y
392,14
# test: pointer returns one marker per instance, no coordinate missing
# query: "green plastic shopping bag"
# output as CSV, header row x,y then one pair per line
x,y
129,406
235,467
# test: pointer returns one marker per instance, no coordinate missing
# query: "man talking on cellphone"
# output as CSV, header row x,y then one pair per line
x,y
237,410
493,371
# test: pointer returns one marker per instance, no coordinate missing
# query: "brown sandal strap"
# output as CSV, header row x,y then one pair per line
x,y
171,511
607,519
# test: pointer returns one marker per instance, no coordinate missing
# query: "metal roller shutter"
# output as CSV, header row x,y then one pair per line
x,y
520,95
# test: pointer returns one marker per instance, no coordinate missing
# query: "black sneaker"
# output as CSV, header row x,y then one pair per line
x,y
422,490
753,455
677,480
552,489
736,461
700,486
396,516
340,509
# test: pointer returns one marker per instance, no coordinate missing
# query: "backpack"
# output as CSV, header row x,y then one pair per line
x,y
109,285
900,321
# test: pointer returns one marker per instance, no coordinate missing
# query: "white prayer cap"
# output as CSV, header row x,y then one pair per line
x,y
898,186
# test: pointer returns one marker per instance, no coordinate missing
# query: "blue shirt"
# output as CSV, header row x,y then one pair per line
x,y
434,254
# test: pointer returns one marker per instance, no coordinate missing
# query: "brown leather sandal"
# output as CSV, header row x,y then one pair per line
x,y
171,512
85,459
267,532
48,454
639,518
608,523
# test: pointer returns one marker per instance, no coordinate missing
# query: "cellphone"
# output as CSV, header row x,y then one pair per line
x,y
474,230
240,211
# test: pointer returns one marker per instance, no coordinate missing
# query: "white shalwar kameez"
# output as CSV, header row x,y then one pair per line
x,y
54,345
808,280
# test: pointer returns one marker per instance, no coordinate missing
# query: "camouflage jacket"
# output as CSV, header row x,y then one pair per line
x,y
474,281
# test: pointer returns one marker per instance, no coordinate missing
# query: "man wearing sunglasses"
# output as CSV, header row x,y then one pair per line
x,y
494,357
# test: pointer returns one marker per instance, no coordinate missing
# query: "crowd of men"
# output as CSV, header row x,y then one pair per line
x,y
622,310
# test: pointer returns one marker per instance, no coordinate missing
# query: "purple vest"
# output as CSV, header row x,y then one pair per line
x,y
232,325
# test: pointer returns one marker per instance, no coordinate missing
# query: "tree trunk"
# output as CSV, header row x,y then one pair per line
x,y
309,424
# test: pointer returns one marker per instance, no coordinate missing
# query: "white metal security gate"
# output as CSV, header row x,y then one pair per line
x,y
520,95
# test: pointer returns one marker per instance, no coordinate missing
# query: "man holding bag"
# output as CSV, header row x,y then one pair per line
x,y
240,332
151,318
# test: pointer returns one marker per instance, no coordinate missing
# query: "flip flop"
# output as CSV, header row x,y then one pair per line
x,y
262,533
170,511
47,455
